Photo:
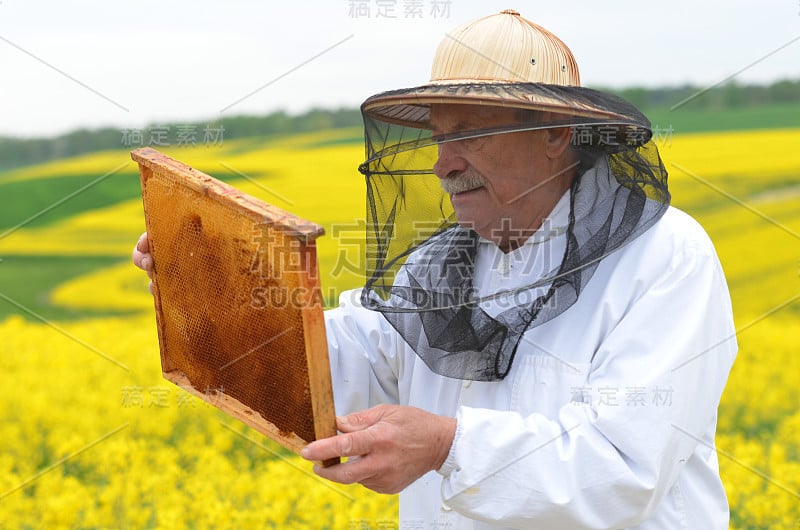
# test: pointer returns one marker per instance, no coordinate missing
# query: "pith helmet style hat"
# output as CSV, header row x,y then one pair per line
x,y
504,60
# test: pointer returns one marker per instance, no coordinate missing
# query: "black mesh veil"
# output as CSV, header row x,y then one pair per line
x,y
421,262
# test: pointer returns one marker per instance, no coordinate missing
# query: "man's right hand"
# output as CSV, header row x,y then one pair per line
x,y
143,259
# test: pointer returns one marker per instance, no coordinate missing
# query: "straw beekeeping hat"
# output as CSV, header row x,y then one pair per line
x,y
501,60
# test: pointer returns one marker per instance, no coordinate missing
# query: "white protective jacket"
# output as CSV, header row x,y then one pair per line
x,y
607,417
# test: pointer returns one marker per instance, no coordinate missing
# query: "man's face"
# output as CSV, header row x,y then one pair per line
x,y
501,185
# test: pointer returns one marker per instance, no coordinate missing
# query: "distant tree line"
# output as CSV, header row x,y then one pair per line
x,y
16,152
727,96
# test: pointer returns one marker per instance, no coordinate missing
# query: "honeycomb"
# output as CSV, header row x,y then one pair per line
x,y
238,303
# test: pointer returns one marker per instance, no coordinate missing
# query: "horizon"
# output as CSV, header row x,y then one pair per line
x,y
303,113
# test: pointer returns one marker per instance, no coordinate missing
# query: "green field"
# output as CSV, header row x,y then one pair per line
x,y
684,119
50,200
28,280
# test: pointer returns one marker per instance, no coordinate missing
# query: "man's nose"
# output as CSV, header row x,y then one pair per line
x,y
449,161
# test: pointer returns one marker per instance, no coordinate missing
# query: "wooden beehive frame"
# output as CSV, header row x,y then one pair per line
x,y
153,163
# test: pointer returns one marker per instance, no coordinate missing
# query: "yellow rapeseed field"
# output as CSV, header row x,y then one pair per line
x,y
93,437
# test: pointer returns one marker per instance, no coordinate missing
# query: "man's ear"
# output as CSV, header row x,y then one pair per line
x,y
557,141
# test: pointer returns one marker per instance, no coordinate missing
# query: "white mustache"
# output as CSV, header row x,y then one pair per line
x,y
465,181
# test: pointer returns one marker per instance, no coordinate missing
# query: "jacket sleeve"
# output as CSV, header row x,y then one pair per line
x,y
363,350
595,466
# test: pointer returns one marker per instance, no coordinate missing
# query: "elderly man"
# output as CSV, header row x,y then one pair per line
x,y
548,347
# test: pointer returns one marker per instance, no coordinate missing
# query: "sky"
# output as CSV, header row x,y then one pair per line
x,y
126,63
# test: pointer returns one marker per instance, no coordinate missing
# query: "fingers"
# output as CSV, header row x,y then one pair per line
x,y
358,421
141,255
147,265
350,472
143,244
395,445
348,444
355,440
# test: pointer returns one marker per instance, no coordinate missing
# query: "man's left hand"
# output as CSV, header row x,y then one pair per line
x,y
390,446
